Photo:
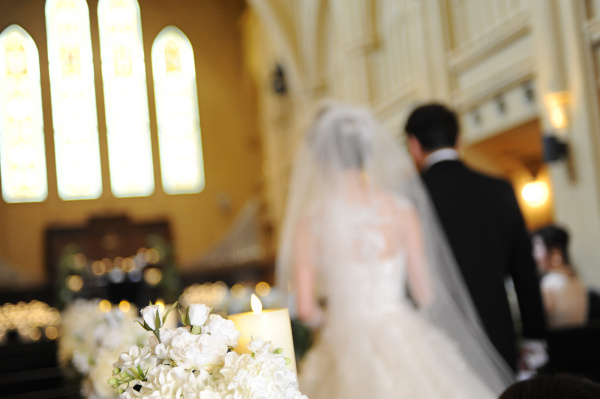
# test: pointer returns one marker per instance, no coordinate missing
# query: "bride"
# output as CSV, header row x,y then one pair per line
x,y
358,230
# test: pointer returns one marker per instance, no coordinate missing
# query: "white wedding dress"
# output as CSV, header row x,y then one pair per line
x,y
374,343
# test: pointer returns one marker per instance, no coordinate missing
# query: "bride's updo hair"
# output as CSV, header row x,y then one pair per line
x,y
341,136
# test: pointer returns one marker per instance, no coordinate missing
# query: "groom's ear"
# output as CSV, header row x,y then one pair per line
x,y
416,151
458,144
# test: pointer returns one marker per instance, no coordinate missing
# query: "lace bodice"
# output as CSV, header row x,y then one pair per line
x,y
364,272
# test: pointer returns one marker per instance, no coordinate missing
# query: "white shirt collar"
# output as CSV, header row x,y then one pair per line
x,y
443,154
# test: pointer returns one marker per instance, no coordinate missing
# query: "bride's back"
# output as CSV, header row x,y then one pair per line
x,y
362,237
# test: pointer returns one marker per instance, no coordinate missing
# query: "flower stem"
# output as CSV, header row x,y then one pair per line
x,y
157,334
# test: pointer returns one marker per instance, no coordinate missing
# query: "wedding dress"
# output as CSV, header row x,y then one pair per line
x,y
375,344
359,229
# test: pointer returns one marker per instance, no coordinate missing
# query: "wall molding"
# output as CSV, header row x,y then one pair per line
x,y
518,73
592,30
490,43
486,132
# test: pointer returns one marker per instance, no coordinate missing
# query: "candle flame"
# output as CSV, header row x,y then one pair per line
x,y
255,304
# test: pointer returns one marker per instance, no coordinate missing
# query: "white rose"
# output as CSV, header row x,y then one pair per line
x,y
161,351
258,345
262,376
209,395
285,378
223,330
191,351
149,314
164,382
198,313
132,358
200,386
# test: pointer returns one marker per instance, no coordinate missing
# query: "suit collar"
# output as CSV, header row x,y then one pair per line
x,y
443,154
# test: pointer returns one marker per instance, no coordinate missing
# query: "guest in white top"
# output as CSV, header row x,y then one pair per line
x,y
564,294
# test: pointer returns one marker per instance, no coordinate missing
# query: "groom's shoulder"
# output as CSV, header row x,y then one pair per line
x,y
488,181
457,170
461,176
486,176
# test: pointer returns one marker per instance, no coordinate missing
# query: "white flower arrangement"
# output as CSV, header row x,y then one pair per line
x,y
196,362
90,341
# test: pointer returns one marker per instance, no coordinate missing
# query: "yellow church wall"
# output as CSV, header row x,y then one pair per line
x,y
230,140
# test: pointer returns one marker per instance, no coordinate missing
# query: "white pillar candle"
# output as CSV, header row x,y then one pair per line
x,y
271,325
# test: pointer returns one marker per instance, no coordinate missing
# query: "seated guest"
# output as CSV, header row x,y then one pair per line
x,y
564,295
553,386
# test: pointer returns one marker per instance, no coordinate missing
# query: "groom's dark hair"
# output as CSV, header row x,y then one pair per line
x,y
433,125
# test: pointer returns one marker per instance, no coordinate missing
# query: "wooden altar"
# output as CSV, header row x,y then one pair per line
x,y
112,257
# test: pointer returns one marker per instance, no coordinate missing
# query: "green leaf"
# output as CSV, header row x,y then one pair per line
x,y
168,311
144,326
185,319
157,321
182,316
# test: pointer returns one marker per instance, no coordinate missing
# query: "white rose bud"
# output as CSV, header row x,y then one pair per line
x,y
149,314
198,313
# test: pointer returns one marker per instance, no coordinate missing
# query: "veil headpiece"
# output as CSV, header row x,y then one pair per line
x,y
343,138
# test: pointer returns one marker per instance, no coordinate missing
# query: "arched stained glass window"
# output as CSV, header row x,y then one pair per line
x,y
73,99
177,113
125,98
22,148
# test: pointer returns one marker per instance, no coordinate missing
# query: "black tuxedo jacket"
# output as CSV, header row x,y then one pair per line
x,y
486,231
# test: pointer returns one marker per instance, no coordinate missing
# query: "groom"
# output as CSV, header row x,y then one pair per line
x,y
484,227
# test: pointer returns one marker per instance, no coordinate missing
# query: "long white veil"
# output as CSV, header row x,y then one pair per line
x,y
343,136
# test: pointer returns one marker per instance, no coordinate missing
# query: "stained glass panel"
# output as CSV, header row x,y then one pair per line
x,y
125,98
73,99
22,147
177,113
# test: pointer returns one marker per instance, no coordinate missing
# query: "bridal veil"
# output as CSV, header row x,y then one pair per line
x,y
317,176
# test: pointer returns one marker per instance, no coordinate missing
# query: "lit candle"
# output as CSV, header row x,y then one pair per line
x,y
271,325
